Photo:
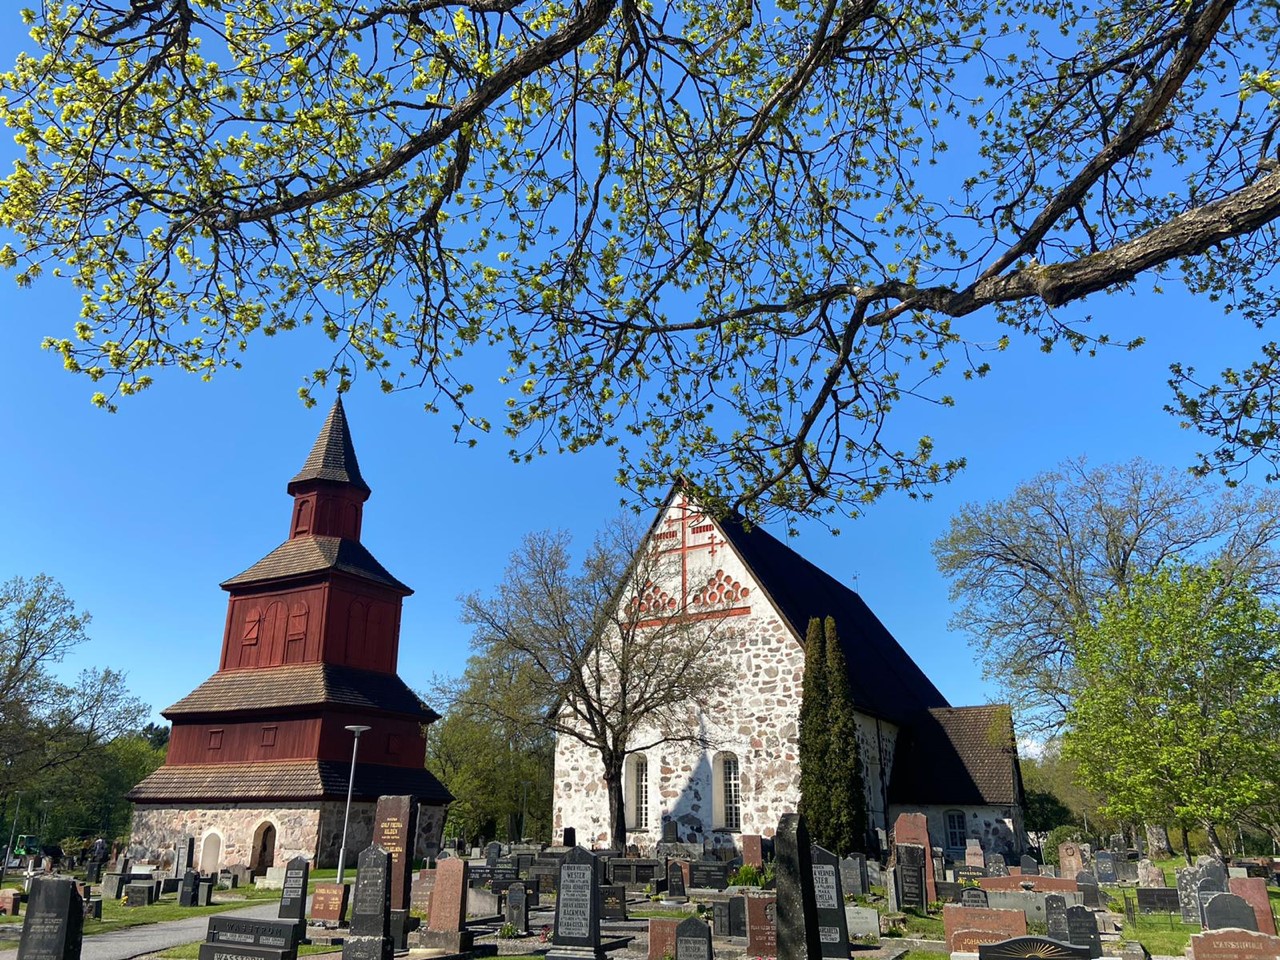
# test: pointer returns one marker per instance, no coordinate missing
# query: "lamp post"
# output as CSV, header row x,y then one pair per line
x,y
356,729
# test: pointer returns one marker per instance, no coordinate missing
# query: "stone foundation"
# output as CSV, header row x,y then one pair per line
x,y
227,832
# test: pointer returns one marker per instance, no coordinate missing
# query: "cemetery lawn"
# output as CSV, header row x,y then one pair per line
x,y
924,927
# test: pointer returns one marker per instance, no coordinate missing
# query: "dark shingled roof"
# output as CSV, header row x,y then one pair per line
x,y
306,555
299,686
334,456
285,780
957,755
885,681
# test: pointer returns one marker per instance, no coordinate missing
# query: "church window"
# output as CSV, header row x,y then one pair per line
x,y
252,627
269,736
726,792
956,832
637,797
215,739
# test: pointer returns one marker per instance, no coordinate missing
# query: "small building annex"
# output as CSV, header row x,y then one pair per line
x,y
260,754
956,765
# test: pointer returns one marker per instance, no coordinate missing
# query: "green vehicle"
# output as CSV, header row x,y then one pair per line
x,y
25,845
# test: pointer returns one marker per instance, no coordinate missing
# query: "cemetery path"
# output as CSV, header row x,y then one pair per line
x,y
152,938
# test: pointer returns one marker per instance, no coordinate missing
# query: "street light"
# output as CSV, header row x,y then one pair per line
x,y
357,729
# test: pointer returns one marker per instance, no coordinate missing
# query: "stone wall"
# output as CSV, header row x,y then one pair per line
x,y
306,829
998,828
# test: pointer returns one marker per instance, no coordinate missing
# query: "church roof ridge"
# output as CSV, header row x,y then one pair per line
x,y
314,554
333,455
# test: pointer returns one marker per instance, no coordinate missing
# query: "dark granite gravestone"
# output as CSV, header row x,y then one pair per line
x,y
113,886
204,892
187,891
720,918
184,856
424,882
1104,864
576,932
646,871
1228,910
737,916
1082,930
1031,948
517,911
996,867
670,831
613,901
1206,889
675,880
875,874
833,930
621,871
909,876
1029,867
693,940
970,873
708,874
853,874
395,827
570,837
139,894
974,897
1158,900
329,902
492,854
293,894
282,935
1055,915
1088,886
546,875
93,871
54,923
1190,886
797,913
369,936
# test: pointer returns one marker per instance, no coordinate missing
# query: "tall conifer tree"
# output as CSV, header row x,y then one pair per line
x,y
813,733
846,829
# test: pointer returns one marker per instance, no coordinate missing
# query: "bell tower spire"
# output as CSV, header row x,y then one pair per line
x,y
329,492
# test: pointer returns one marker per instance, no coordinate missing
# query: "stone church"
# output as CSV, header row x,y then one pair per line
x,y
956,765
260,753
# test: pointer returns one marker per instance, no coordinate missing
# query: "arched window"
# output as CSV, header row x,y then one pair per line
x,y
956,832
726,792
636,784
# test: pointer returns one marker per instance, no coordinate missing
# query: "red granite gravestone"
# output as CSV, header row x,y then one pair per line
x,y
1234,945
762,926
395,824
1070,859
420,893
329,902
1253,891
662,937
1002,924
10,901
913,828
1039,884
752,850
968,941
449,897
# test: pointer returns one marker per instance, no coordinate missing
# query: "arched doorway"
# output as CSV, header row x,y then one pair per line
x,y
264,848
211,853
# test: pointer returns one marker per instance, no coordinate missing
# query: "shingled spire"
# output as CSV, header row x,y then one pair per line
x,y
333,457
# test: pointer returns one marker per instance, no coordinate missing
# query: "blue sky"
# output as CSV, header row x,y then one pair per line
x,y
141,514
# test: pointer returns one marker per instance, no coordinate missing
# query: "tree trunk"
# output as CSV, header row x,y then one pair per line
x,y
617,807
1215,842
1186,844
1158,846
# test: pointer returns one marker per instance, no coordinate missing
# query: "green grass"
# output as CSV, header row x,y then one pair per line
x,y
923,926
674,912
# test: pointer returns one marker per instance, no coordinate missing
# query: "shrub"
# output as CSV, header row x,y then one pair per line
x,y
747,875
1056,836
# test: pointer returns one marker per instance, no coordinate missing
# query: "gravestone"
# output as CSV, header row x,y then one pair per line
x,y
395,827
613,901
1055,915
53,927
184,856
1189,886
446,926
570,838
675,881
969,873
973,855
1039,948
913,828
797,913
517,912
974,897
293,895
369,936
1149,875
547,876
762,926
966,927
909,876
424,882
188,889
1087,884
93,871
720,918
1082,930
492,854
670,831
875,874
1158,900
996,867
752,850
113,885
329,903
1029,866
708,874
576,931
853,874
693,940
139,894
1070,859
1223,910
281,935
1234,945
204,892
738,917
828,898
662,937
1104,864
1253,890
1117,843
1205,889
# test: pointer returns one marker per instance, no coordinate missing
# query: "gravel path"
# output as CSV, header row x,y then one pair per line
x,y
152,938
